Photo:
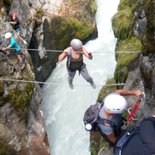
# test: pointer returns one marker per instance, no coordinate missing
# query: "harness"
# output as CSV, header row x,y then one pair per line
x,y
109,123
72,64
105,121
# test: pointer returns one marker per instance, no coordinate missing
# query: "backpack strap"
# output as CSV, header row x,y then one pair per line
x,y
150,119
124,140
105,121
69,57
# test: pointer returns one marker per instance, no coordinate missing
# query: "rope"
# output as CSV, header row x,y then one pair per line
x,y
60,51
51,83
102,149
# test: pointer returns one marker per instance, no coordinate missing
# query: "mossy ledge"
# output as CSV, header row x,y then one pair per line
x,y
122,24
66,28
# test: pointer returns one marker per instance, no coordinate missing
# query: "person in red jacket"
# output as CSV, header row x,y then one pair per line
x,y
14,21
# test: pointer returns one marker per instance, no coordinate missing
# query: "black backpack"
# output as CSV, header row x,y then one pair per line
x,y
123,140
91,117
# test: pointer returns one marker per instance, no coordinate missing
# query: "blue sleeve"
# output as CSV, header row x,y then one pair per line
x,y
12,42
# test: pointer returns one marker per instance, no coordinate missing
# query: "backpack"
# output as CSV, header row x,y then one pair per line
x,y
123,140
91,117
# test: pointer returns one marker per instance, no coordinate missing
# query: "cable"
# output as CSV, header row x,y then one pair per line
x,y
60,51
102,149
52,83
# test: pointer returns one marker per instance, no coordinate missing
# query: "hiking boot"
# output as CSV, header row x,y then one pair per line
x,y
71,85
93,85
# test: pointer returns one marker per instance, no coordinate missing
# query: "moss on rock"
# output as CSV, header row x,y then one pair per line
x,y
121,24
93,6
66,28
129,44
20,98
106,90
1,87
3,150
123,60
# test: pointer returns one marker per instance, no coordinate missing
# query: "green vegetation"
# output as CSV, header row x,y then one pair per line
x,y
106,90
66,28
20,98
129,44
93,5
3,150
121,24
39,13
1,87
123,60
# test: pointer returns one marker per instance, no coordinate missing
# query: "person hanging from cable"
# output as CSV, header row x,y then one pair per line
x,y
16,46
14,21
74,55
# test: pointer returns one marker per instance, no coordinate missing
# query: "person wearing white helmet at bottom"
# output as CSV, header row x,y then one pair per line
x,y
74,55
114,105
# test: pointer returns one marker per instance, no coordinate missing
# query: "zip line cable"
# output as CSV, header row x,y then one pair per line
x,y
52,83
60,51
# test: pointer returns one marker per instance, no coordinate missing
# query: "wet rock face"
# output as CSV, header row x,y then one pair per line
x,y
18,132
21,117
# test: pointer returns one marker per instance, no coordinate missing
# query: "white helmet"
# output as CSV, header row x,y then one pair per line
x,y
8,35
76,44
115,104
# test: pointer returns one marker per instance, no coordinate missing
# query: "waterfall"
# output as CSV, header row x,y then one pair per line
x,y
64,108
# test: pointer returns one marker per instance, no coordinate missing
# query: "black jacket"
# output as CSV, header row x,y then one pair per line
x,y
143,142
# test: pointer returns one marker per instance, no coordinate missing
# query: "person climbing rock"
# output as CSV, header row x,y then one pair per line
x,y
14,21
16,46
114,104
74,55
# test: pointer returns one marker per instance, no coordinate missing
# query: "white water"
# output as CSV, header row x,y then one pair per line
x,y
63,107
